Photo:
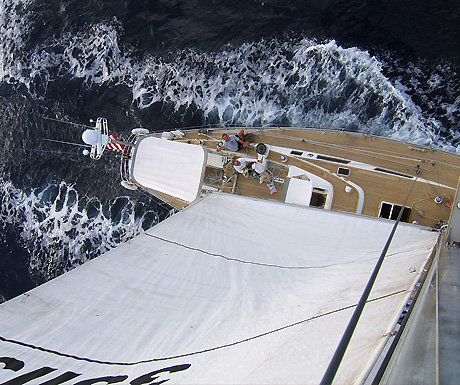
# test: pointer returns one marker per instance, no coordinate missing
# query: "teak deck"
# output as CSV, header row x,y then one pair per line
x,y
398,164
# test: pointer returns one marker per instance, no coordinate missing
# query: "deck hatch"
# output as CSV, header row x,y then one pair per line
x,y
173,168
331,159
392,172
391,211
343,171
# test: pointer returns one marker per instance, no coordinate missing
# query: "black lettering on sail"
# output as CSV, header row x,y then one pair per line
x,y
20,380
149,377
12,363
62,378
107,380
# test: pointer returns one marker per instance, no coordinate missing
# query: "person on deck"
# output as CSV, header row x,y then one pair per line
x,y
242,164
235,142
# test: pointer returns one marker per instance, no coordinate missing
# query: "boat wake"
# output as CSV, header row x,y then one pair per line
x,y
295,82
61,230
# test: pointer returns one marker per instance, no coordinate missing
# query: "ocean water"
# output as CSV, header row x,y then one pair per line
x,y
391,70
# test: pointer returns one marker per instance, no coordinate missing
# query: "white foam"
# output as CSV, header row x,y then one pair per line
x,y
301,83
61,231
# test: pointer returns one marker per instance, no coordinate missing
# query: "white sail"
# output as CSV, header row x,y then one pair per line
x,y
231,290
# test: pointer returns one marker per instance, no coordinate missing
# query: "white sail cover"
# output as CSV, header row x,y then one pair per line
x,y
174,168
231,290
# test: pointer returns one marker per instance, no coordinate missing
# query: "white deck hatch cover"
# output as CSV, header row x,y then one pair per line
x,y
299,191
174,168
231,290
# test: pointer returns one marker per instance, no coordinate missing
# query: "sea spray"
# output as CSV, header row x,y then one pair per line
x,y
287,81
297,82
62,230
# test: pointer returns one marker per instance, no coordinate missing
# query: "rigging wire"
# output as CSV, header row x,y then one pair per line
x,y
67,122
356,149
442,195
57,152
64,142
336,360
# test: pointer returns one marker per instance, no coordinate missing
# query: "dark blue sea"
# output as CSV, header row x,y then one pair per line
x,y
389,68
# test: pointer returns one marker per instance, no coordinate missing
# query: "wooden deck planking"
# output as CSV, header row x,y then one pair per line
x,y
438,167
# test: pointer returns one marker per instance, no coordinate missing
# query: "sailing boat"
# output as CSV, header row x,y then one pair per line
x,y
256,278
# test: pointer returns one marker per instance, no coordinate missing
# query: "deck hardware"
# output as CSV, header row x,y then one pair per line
x,y
343,171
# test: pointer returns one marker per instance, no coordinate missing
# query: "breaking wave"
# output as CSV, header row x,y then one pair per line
x,y
61,230
295,82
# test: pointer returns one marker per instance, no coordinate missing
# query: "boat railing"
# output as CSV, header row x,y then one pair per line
x,y
126,158
417,315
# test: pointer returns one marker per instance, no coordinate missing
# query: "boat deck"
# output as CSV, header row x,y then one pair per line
x,y
379,171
